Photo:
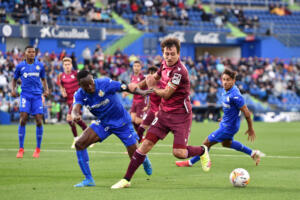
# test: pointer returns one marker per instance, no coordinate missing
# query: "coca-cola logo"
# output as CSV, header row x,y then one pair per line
x,y
206,38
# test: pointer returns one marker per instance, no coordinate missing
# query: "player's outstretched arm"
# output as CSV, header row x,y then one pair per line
x,y
13,89
45,86
167,92
250,131
75,114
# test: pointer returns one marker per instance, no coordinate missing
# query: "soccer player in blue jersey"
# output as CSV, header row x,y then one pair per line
x,y
99,96
233,104
31,72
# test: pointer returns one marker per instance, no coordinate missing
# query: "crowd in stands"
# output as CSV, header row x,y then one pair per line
x,y
262,78
51,11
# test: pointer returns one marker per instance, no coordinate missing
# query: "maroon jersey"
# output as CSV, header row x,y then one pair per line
x,y
178,75
155,100
70,83
137,79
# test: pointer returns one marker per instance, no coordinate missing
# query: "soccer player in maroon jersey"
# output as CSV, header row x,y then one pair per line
x,y
68,84
175,112
152,107
139,102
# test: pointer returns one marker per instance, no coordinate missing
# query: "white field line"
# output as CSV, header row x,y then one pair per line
x,y
152,153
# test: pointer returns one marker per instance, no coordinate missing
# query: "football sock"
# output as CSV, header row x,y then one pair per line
x,y
240,147
39,136
83,161
21,132
73,128
136,160
82,124
136,126
194,151
194,159
140,132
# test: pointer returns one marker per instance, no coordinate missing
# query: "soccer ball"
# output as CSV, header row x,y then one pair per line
x,y
239,177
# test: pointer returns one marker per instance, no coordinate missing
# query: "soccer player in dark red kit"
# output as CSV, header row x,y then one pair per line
x,y
175,112
139,102
68,84
152,107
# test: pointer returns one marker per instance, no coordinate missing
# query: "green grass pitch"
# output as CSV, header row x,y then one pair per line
x,y
53,175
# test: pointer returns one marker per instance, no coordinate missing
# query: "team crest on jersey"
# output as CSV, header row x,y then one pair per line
x,y
176,79
37,67
101,93
72,76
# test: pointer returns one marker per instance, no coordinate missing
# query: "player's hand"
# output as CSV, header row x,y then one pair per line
x,y
150,81
63,94
76,118
132,87
146,92
220,119
46,93
14,93
145,108
251,134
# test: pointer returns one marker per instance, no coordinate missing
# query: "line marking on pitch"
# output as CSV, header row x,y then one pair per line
x,y
152,153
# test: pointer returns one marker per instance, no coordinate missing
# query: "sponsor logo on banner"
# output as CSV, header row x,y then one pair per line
x,y
55,32
179,35
206,38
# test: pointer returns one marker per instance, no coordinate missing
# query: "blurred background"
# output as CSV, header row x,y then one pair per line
x,y
260,39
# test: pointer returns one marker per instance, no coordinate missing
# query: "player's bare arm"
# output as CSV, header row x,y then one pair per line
x,y
151,80
13,91
134,89
76,113
167,92
250,131
45,86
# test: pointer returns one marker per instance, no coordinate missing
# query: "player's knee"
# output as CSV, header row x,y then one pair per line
x,y
226,144
23,121
180,153
79,145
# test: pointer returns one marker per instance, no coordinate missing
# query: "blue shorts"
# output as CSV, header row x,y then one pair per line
x,y
220,135
32,105
125,133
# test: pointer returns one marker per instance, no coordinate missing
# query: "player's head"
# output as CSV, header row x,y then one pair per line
x,y
228,78
86,81
30,52
67,64
137,67
152,69
171,50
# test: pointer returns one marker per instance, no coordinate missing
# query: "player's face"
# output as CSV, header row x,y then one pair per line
x,y
227,82
87,84
171,55
67,66
137,68
152,72
30,53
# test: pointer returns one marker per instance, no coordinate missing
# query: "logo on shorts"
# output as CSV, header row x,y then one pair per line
x,y
37,67
101,93
106,128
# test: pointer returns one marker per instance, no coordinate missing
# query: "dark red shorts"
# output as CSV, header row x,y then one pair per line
x,y
148,118
178,123
137,107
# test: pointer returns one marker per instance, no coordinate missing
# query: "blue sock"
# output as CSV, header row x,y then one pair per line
x,y
39,136
240,147
194,159
83,161
21,132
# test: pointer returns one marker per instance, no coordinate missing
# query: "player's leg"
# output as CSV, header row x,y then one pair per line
x,y
22,133
39,135
88,137
195,159
133,115
255,154
129,138
156,131
73,129
181,150
147,120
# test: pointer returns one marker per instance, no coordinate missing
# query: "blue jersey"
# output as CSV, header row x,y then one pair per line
x,y
30,75
232,101
104,103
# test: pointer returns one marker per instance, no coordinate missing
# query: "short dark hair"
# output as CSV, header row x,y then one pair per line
x,y
82,74
29,47
137,61
169,42
230,73
152,69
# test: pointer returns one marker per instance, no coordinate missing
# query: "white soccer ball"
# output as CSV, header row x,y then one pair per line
x,y
239,177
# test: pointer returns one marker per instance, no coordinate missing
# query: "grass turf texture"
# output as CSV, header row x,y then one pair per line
x,y
53,175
